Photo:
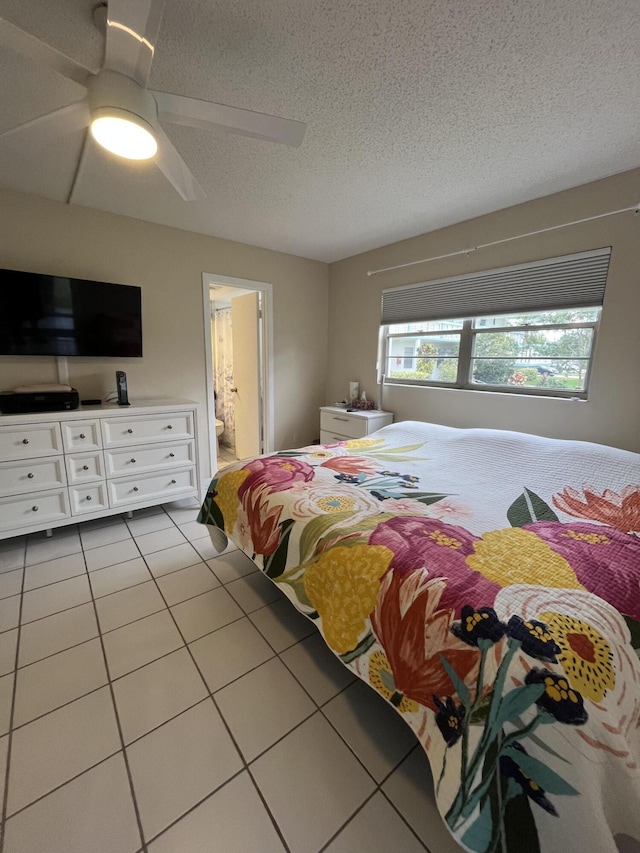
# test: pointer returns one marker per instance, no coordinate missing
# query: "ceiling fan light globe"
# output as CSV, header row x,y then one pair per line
x,y
123,133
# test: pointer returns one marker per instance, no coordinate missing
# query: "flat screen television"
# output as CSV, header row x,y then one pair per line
x,y
56,315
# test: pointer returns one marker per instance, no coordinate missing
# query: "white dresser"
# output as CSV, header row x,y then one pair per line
x,y
336,424
58,468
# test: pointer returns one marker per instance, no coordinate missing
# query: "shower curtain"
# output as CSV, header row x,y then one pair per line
x,y
223,375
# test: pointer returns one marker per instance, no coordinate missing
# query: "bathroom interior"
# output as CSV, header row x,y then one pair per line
x,y
222,358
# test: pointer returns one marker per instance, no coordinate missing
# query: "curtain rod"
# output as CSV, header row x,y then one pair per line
x,y
635,208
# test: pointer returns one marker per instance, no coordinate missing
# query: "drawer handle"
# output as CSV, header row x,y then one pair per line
x,y
30,475
85,467
169,426
340,419
88,498
172,455
133,461
25,441
82,435
173,482
34,508
135,488
129,431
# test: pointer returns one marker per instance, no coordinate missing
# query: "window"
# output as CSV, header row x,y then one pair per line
x,y
527,329
538,352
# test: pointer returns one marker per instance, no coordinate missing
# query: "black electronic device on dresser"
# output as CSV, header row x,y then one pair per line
x,y
121,385
39,399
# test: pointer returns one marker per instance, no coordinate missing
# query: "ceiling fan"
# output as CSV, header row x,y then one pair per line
x,y
123,115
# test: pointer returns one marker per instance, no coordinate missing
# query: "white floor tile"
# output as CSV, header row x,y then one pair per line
x,y
65,541
52,750
120,576
377,828
235,816
283,704
232,565
9,613
183,515
6,697
91,814
52,571
54,598
12,559
316,667
8,642
172,559
158,691
100,536
373,729
312,784
193,530
410,789
149,523
128,605
205,613
281,624
205,548
187,583
56,680
140,642
149,543
254,591
179,764
11,583
109,555
56,633
230,652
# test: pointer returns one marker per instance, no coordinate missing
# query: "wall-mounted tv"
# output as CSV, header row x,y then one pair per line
x,y
55,315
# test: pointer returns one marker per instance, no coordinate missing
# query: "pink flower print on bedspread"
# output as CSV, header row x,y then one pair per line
x,y
275,472
605,560
621,510
442,549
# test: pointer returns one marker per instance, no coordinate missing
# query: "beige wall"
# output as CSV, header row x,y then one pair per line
x,y
611,415
45,236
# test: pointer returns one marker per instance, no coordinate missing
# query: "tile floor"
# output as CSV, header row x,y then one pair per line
x,y
226,456
156,696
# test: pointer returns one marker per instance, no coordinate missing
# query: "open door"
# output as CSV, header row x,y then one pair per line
x,y
245,321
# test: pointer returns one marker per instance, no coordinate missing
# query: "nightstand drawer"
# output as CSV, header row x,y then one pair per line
x,y
332,437
344,424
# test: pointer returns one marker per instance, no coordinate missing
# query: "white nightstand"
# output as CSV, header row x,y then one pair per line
x,y
337,424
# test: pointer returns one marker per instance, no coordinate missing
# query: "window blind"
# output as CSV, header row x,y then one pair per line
x,y
572,281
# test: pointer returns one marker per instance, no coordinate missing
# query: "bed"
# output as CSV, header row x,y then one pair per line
x,y
487,584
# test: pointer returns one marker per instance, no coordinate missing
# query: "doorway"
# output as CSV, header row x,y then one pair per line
x,y
239,376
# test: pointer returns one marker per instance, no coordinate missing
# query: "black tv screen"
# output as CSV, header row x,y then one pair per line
x,y
54,315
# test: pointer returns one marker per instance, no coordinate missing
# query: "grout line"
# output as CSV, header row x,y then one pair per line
x,y
399,813
349,819
5,798
119,726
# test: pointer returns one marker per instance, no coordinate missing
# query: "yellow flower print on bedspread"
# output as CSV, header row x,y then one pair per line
x,y
514,555
227,496
342,584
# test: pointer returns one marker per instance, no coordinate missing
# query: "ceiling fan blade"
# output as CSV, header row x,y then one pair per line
x,y
132,32
38,133
175,169
40,53
179,109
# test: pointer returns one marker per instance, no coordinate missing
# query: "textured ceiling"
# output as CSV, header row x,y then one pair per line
x,y
420,113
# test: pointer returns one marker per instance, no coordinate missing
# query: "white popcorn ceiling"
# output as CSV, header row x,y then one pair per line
x,y
420,113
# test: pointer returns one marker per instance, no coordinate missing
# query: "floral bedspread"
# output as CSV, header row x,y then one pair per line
x,y
487,584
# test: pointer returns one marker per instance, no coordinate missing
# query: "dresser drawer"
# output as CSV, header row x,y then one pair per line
x,y
135,460
29,440
41,509
344,425
332,437
88,498
148,486
123,432
81,435
33,475
84,467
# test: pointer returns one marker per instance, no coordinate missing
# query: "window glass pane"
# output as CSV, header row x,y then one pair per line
x,y
434,369
426,326
540,318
